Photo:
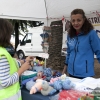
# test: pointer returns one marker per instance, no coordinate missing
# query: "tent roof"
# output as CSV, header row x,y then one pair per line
x,y
40,10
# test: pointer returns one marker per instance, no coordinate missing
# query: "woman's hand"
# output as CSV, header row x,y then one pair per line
x,y
64,70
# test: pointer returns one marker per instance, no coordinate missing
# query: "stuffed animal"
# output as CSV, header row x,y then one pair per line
x,y
29,84
40,76
67,84
57,85
37,86
48,73
52,80
63,77
47,89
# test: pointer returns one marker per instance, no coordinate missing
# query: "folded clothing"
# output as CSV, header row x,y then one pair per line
x,y
28,74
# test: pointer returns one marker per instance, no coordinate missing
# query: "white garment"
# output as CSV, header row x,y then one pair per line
x,y
87,84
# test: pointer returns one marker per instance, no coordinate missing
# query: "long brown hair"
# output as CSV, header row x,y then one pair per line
x,y
87,26
6,30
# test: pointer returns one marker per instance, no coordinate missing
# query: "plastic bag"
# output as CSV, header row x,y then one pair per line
x,y
71,95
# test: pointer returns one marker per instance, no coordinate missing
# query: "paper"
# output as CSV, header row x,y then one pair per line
x,y
44,55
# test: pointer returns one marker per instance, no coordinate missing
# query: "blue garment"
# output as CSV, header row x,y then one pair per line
x,y
29,84
38,68
23,83
80,54
47,72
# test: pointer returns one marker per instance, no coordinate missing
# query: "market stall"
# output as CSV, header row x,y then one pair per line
x,y
88,87
37,96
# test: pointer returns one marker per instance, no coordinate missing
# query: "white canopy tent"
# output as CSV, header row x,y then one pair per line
x,y
45,10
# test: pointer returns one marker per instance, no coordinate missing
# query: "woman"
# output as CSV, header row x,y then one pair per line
x,y
82,43
9,71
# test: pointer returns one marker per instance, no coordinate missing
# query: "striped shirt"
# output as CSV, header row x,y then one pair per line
x,y
5,78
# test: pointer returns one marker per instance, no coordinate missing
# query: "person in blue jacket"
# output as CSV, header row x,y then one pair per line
x,y
82,42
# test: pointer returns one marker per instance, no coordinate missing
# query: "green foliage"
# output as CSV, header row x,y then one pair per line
x,y
22,25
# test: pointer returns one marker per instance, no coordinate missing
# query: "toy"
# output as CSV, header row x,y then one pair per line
x,y
56,73
29,84
37,86
48,73
45,37
37,62
65,84
57,85
41,63
63,77
40,76
47,89
52,80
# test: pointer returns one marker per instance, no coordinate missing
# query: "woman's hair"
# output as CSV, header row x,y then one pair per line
x,y
87,26
6,30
